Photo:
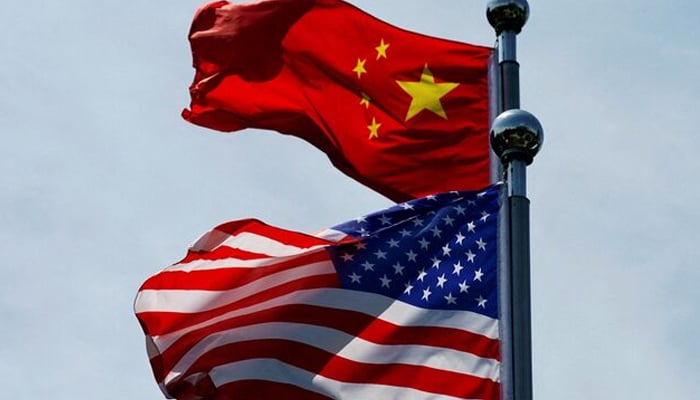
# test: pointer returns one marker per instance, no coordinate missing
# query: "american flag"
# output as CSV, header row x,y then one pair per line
x,y
398,304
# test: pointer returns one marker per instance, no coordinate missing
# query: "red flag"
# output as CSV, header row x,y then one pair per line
x,y
398,304
403,113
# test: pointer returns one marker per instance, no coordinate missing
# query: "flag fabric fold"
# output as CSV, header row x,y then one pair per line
x,y
402,113
397,304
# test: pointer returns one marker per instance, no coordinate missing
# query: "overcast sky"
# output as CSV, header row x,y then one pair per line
x,y
103,184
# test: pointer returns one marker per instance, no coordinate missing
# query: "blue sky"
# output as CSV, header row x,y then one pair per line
x,y
104,184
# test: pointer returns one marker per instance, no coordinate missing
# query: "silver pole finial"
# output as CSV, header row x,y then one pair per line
x,y
507,14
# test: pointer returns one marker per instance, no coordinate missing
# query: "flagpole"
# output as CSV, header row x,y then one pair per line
x,y
516,136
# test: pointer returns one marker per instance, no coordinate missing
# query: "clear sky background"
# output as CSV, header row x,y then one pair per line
x,y
103,184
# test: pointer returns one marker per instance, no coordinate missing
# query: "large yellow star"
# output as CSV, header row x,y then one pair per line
x,y
425,94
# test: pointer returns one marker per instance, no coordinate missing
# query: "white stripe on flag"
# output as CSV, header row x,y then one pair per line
x,y
250,242
345,346
227,263
394,312
197,301
276,371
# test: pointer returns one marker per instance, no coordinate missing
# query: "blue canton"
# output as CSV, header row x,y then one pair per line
x,y
438,252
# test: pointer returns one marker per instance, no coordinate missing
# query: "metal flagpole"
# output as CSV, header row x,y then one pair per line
x,y
516,136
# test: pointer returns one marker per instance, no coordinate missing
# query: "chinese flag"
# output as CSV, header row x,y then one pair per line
x,y
403,113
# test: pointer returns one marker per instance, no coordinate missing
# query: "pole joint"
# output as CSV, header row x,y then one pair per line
x,y
516,135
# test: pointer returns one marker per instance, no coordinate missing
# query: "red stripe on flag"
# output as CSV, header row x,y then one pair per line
x,y
353,323
223,278
258,389
340,369
160,323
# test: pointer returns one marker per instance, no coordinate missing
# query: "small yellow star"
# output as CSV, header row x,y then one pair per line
x,y
425,94
365,100
374,129
360,68
381,49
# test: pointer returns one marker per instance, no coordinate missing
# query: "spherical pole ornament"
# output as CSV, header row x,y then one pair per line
x,y
516,135
507,14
